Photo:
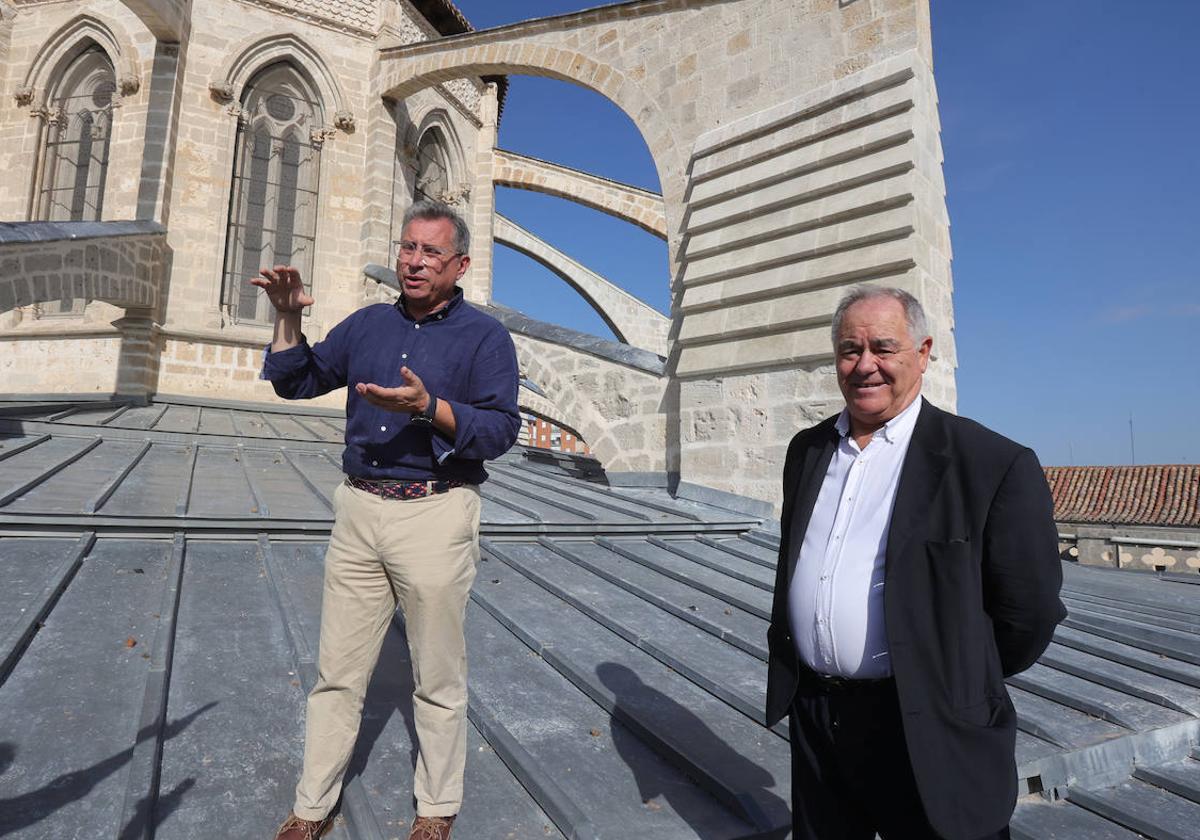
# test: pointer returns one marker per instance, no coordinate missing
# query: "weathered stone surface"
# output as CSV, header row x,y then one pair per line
x,y
796,144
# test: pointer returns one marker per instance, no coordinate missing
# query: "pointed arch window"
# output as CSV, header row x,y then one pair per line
x,y
276,175
79,127
433,171
74,155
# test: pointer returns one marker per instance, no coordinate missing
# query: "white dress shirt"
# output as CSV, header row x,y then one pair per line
x,y
835,601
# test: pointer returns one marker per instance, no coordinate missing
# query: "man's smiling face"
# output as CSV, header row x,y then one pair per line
x,y
879,364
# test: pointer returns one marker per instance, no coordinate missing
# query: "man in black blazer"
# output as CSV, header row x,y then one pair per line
x,y
918,568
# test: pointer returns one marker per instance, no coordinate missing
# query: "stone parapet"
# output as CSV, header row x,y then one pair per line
x,y
617,409
117,262
1130,547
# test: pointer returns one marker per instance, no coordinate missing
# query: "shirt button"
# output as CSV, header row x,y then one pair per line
x,y
403,355
374,463
416,326
824,577
383,428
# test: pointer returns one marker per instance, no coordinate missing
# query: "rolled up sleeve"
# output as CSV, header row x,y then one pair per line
x,y
305,371
487,423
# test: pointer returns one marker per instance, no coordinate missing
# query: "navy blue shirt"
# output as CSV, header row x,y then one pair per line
x,y
463,356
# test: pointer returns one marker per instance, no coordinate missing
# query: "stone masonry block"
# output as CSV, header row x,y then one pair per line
x,y
43,262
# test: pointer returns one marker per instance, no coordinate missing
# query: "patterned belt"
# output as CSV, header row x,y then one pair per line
x,y
401,490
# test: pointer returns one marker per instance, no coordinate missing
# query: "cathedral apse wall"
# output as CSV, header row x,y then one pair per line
x,y
796,141
270,148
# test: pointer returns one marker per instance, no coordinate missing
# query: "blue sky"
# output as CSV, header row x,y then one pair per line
x,y
1071,133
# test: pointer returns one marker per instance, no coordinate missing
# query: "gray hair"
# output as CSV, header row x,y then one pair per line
x,y
914,313
429,209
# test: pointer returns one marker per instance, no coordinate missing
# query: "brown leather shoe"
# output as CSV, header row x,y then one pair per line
x,y
294,828
431,828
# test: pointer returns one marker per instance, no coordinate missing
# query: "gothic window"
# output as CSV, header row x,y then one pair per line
x,y
77,138
433,174
75,154
273,206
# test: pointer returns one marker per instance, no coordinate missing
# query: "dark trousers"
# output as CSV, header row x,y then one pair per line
x,y
851,777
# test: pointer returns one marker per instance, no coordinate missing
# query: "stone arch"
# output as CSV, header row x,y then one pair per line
x,y
167,19
572,412
61,48
622,201
255,54
408,69
632,321
439,122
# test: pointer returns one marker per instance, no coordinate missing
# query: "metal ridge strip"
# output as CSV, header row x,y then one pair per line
x,y
570,492
600,489
681,549
195,526
1154,664
29,444
742,804
1127,818
736,701
715,591
17,640
49,472
556,803
145,764
66,430
97,501
729,548
724,634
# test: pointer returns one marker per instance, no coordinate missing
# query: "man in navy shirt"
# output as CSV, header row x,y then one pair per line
x,y
431,394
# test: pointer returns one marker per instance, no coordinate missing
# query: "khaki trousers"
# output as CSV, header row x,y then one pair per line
x,y
419,554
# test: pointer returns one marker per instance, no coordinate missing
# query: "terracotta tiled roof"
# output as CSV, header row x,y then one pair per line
x,y
1162,494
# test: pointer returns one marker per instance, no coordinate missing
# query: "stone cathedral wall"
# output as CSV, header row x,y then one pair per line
x,y
796,141
365,172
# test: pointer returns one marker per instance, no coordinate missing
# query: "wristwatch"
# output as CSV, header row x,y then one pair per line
x,y
425,418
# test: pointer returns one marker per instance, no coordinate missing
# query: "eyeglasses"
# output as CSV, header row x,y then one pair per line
x,y
431,254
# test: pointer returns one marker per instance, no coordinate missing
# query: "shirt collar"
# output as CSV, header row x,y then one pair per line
x,y
898,429
439,315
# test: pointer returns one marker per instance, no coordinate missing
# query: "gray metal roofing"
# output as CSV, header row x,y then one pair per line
x,y
158,630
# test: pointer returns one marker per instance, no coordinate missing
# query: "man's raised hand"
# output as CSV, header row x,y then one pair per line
x,y
284,288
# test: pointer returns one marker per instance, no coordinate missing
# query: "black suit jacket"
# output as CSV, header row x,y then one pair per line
x,y
970,596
